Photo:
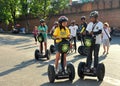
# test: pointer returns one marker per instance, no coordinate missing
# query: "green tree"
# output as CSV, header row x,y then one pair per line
x,y
58,5
9,10
24,10
44,8
40,8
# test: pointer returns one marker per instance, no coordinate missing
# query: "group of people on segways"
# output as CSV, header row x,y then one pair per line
x,y
92,40
42,38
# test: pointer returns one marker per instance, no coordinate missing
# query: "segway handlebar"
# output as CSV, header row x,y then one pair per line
x,y
41,32
60,38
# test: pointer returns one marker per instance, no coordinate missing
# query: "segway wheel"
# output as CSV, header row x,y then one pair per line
x,y
52,48
85,51
48,54
36,54
71,71
100,71
51,73
80,50
81,70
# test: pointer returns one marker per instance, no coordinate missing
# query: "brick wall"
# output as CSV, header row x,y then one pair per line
x,y
109,12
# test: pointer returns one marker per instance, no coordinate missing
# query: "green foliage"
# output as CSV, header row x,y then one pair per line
x,y
8,10
11,9
40,8
58,5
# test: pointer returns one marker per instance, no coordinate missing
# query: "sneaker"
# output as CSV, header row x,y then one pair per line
x,y
66,72
56,71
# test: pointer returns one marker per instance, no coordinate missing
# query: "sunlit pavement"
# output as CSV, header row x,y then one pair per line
x,y
18,67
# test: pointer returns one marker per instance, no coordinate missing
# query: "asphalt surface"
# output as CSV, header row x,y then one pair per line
x,y
19,68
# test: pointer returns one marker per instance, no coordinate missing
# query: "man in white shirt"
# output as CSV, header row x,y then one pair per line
x,y
94,30
73,32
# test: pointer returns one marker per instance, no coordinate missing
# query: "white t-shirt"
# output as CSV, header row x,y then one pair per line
x,y
104,34
73,30
98,26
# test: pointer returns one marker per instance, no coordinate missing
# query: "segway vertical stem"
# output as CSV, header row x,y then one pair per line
x,y
62,62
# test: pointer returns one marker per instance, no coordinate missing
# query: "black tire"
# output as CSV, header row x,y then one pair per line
x,y
52,48
80,50
81,70
37,54
48,54
71,71
100,71
51,73
85,51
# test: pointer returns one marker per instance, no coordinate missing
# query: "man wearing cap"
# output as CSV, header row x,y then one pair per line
x,y
94,30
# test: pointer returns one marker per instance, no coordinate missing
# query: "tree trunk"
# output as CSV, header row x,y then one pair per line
x,y
14,18
27,23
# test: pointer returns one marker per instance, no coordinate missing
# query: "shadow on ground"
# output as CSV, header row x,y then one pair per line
x,y
10,41
18,67
76,58
86,82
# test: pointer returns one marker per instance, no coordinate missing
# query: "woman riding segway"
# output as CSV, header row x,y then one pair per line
x,y
43,30
42,38
61,34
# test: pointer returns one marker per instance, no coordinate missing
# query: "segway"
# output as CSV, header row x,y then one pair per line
x,y
52,47
98,72
62,74
39,54
72,46
82,49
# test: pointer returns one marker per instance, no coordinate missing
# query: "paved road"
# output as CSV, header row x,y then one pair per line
x,y
18,67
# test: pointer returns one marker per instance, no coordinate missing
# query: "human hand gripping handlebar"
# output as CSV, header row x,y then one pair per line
x,y
41,31
60,38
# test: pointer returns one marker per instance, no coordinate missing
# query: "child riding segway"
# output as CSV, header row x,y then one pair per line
x,y
61,35
42,38
92,41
